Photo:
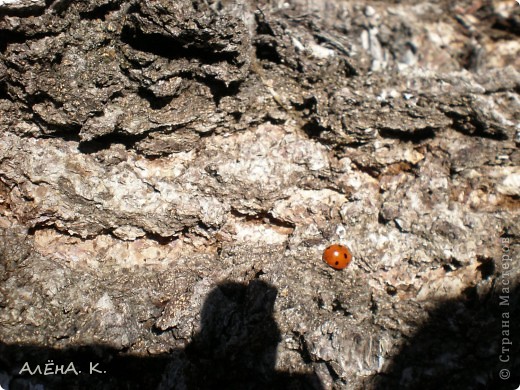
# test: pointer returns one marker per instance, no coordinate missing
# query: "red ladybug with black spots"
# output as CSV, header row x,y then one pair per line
x,y
337,256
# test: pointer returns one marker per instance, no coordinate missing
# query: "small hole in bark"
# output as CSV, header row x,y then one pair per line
x,y
486,267
391,290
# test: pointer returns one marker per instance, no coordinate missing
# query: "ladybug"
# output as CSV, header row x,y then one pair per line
x,y
337,256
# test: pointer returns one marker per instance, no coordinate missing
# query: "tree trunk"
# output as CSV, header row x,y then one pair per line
x,y
172,171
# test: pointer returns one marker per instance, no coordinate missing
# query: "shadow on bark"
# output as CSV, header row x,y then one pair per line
x,y
235,349
468,343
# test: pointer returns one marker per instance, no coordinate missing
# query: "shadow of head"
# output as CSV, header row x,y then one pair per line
x,y
237,343
238,328
238,337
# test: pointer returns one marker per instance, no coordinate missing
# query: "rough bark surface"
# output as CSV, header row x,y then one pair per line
x,y
171,171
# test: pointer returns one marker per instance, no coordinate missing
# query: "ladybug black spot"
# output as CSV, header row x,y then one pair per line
x,y
345,255
337,262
